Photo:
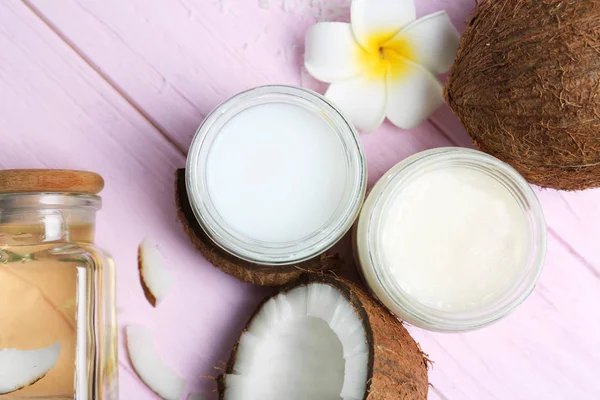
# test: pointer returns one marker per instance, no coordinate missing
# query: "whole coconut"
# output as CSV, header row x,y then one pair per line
x,y
526,86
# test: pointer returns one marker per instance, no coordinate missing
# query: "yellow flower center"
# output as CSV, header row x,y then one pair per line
x,y
385,55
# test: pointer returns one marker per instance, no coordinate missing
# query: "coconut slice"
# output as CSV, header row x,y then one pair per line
x,y
263,275
156,280
323,338
161,379
21,368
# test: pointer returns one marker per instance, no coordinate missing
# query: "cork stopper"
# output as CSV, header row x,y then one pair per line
x,y
50,181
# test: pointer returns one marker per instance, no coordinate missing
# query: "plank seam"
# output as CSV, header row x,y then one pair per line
x,y
104,77
579,257
438,392
443,132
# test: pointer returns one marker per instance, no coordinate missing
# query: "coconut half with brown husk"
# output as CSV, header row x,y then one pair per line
x,y
263,275
324,338
526,86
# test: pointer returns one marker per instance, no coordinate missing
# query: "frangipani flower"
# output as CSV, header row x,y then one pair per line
x,y
384,63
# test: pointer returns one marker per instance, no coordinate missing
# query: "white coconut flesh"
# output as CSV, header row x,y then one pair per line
x,y
21,368
155,276
307,343
161,379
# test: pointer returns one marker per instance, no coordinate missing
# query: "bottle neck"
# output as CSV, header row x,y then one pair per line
x,y
36,218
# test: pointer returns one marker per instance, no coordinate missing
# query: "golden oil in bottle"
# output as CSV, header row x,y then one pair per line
x,y
58,332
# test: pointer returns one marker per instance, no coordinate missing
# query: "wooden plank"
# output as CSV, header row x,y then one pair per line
x,y
57,112
177,60
574,219
547,349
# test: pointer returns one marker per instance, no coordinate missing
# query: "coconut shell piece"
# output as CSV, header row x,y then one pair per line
x,y
526,86
149,366
263,275
147,292
155,279
397,368
22,368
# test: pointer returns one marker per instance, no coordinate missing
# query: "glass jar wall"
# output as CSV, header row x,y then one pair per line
x,y
58,326
433,288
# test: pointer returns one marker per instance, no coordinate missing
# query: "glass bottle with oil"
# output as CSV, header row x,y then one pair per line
x,y
58,331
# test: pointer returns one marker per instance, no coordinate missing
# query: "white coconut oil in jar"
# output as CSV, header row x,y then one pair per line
x,y
276,175
451,239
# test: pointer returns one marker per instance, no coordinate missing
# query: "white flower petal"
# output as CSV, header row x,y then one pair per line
x,y
362,100
331,52
413,94
431,42
373,18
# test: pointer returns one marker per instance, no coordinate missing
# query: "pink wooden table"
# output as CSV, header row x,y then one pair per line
x,y
119,87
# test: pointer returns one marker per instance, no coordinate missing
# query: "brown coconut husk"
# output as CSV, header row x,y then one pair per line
x,y
526,86
263,275
147,292
398,369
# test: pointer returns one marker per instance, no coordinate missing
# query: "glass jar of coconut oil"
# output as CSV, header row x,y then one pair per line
x,y
58,332
276,175
451,239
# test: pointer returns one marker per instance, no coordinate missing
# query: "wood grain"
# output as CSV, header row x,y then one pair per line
x,y
50,180
177,60
120,88
154,57
56,112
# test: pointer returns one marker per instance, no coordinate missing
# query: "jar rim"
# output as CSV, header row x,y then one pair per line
x,y
270,253
433,318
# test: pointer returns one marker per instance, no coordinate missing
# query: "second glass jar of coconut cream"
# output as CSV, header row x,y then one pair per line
x,y
451,239
275,175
